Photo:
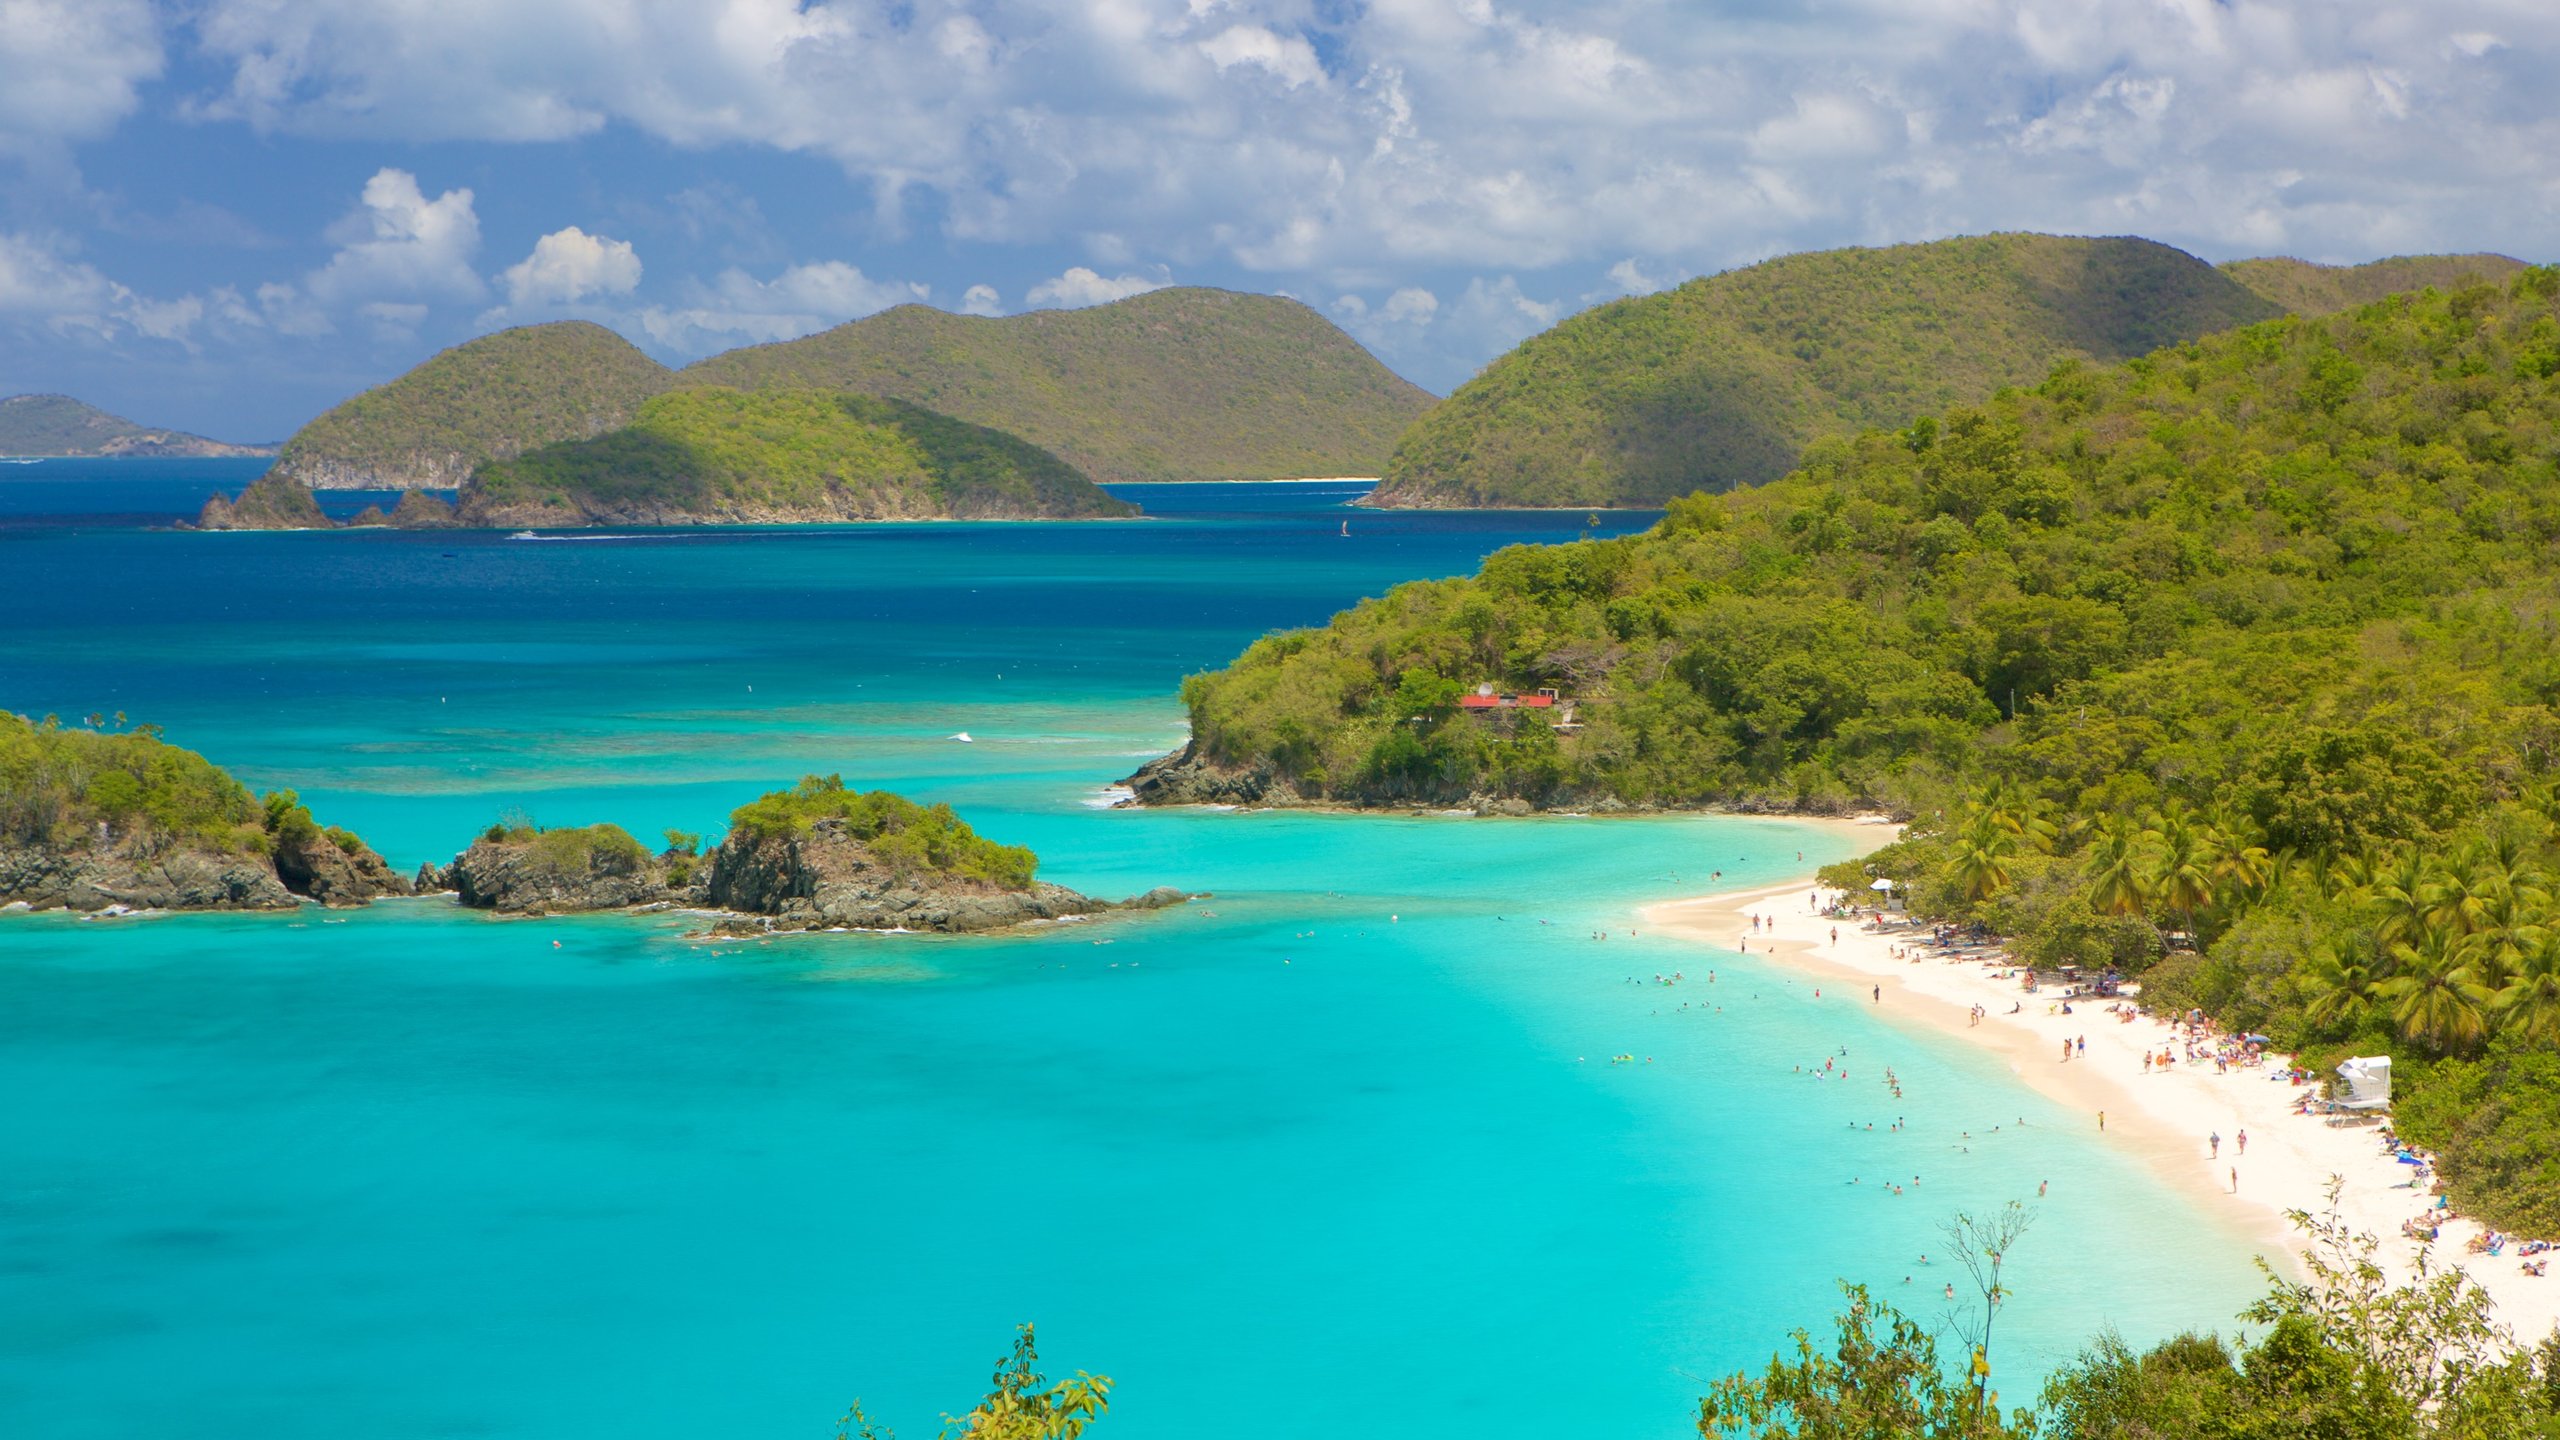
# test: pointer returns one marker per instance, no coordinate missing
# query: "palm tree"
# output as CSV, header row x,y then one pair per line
x,y
2398,891
2181,863
2509,931
2028,817
2119,878
2434,998
1983,848
2241,866
2529,1006
2348,989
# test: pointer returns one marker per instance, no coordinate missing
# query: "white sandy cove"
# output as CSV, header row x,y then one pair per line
x,y
2164,1117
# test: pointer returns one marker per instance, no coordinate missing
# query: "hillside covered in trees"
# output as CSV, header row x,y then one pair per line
x,y
2309,289
2251,645
719,456
493,398
1179,384
1176,384
1724,380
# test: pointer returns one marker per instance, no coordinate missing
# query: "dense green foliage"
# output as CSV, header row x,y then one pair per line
x,y
270,502
804,453
2252,644
571,854
489,399
80,788
2342,1355
2308,289
60,425
1726,379
1177,384
925,839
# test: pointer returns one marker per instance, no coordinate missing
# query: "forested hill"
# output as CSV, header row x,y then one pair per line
x,y
1725,380
489,399
2308,289
60,425
2354,512
1177,384
707,455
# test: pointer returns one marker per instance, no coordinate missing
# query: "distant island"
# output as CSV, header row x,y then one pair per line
x,y
1175,384
1725,380
819,856
708,456
57,426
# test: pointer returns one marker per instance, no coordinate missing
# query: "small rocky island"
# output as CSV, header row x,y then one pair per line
x,y
93,819
815,857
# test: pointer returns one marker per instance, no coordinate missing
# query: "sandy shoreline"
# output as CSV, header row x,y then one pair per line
x,y
2164,1118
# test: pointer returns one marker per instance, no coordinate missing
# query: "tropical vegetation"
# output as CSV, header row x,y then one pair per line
x,y
2341,1355
791,454
1175,384
900,833
100,786
2244,653
1723,381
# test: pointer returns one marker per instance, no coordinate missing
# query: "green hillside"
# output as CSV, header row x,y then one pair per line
x,y
490,399
707,454
2251,641
2308,289
60,425
1179,384
1723,381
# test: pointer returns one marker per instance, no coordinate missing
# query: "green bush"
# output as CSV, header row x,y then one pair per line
x,y
906,836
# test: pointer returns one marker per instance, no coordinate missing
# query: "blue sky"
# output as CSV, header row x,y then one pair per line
x,y
227,215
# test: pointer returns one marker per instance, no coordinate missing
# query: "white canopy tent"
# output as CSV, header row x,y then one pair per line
x,y
2368,1080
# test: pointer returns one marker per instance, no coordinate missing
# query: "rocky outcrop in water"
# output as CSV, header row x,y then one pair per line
x,y
1188,777
826,879
559,872
336,869
270,503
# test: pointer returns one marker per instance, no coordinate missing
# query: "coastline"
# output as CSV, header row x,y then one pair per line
x,y
2163,1118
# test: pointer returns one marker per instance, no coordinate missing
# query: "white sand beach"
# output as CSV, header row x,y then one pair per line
x,y
2164,1116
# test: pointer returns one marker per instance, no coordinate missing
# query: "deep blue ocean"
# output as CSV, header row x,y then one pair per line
x,y
1337,1152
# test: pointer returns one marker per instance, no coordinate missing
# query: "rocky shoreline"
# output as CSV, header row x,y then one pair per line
x,y
1187,777
316,870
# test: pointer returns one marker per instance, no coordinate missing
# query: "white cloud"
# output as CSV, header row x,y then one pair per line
x,y
398,244
981,300
44,288
1485,136
738,309
1289,58
569,265
1080,287
73,68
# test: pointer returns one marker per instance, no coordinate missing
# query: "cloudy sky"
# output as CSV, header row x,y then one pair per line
x,y
228,214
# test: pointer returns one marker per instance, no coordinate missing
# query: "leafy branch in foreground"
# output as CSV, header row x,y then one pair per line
x,y
2346,1356
1022,1404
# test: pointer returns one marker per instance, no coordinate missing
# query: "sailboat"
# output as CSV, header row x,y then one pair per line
x,y
1346,529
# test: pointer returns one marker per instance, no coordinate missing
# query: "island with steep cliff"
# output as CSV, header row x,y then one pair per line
x,y
96,819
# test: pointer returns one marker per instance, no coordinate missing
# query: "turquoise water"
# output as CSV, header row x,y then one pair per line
x,y
1344,1134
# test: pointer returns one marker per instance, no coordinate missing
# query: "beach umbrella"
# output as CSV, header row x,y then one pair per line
x,y
1881,885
